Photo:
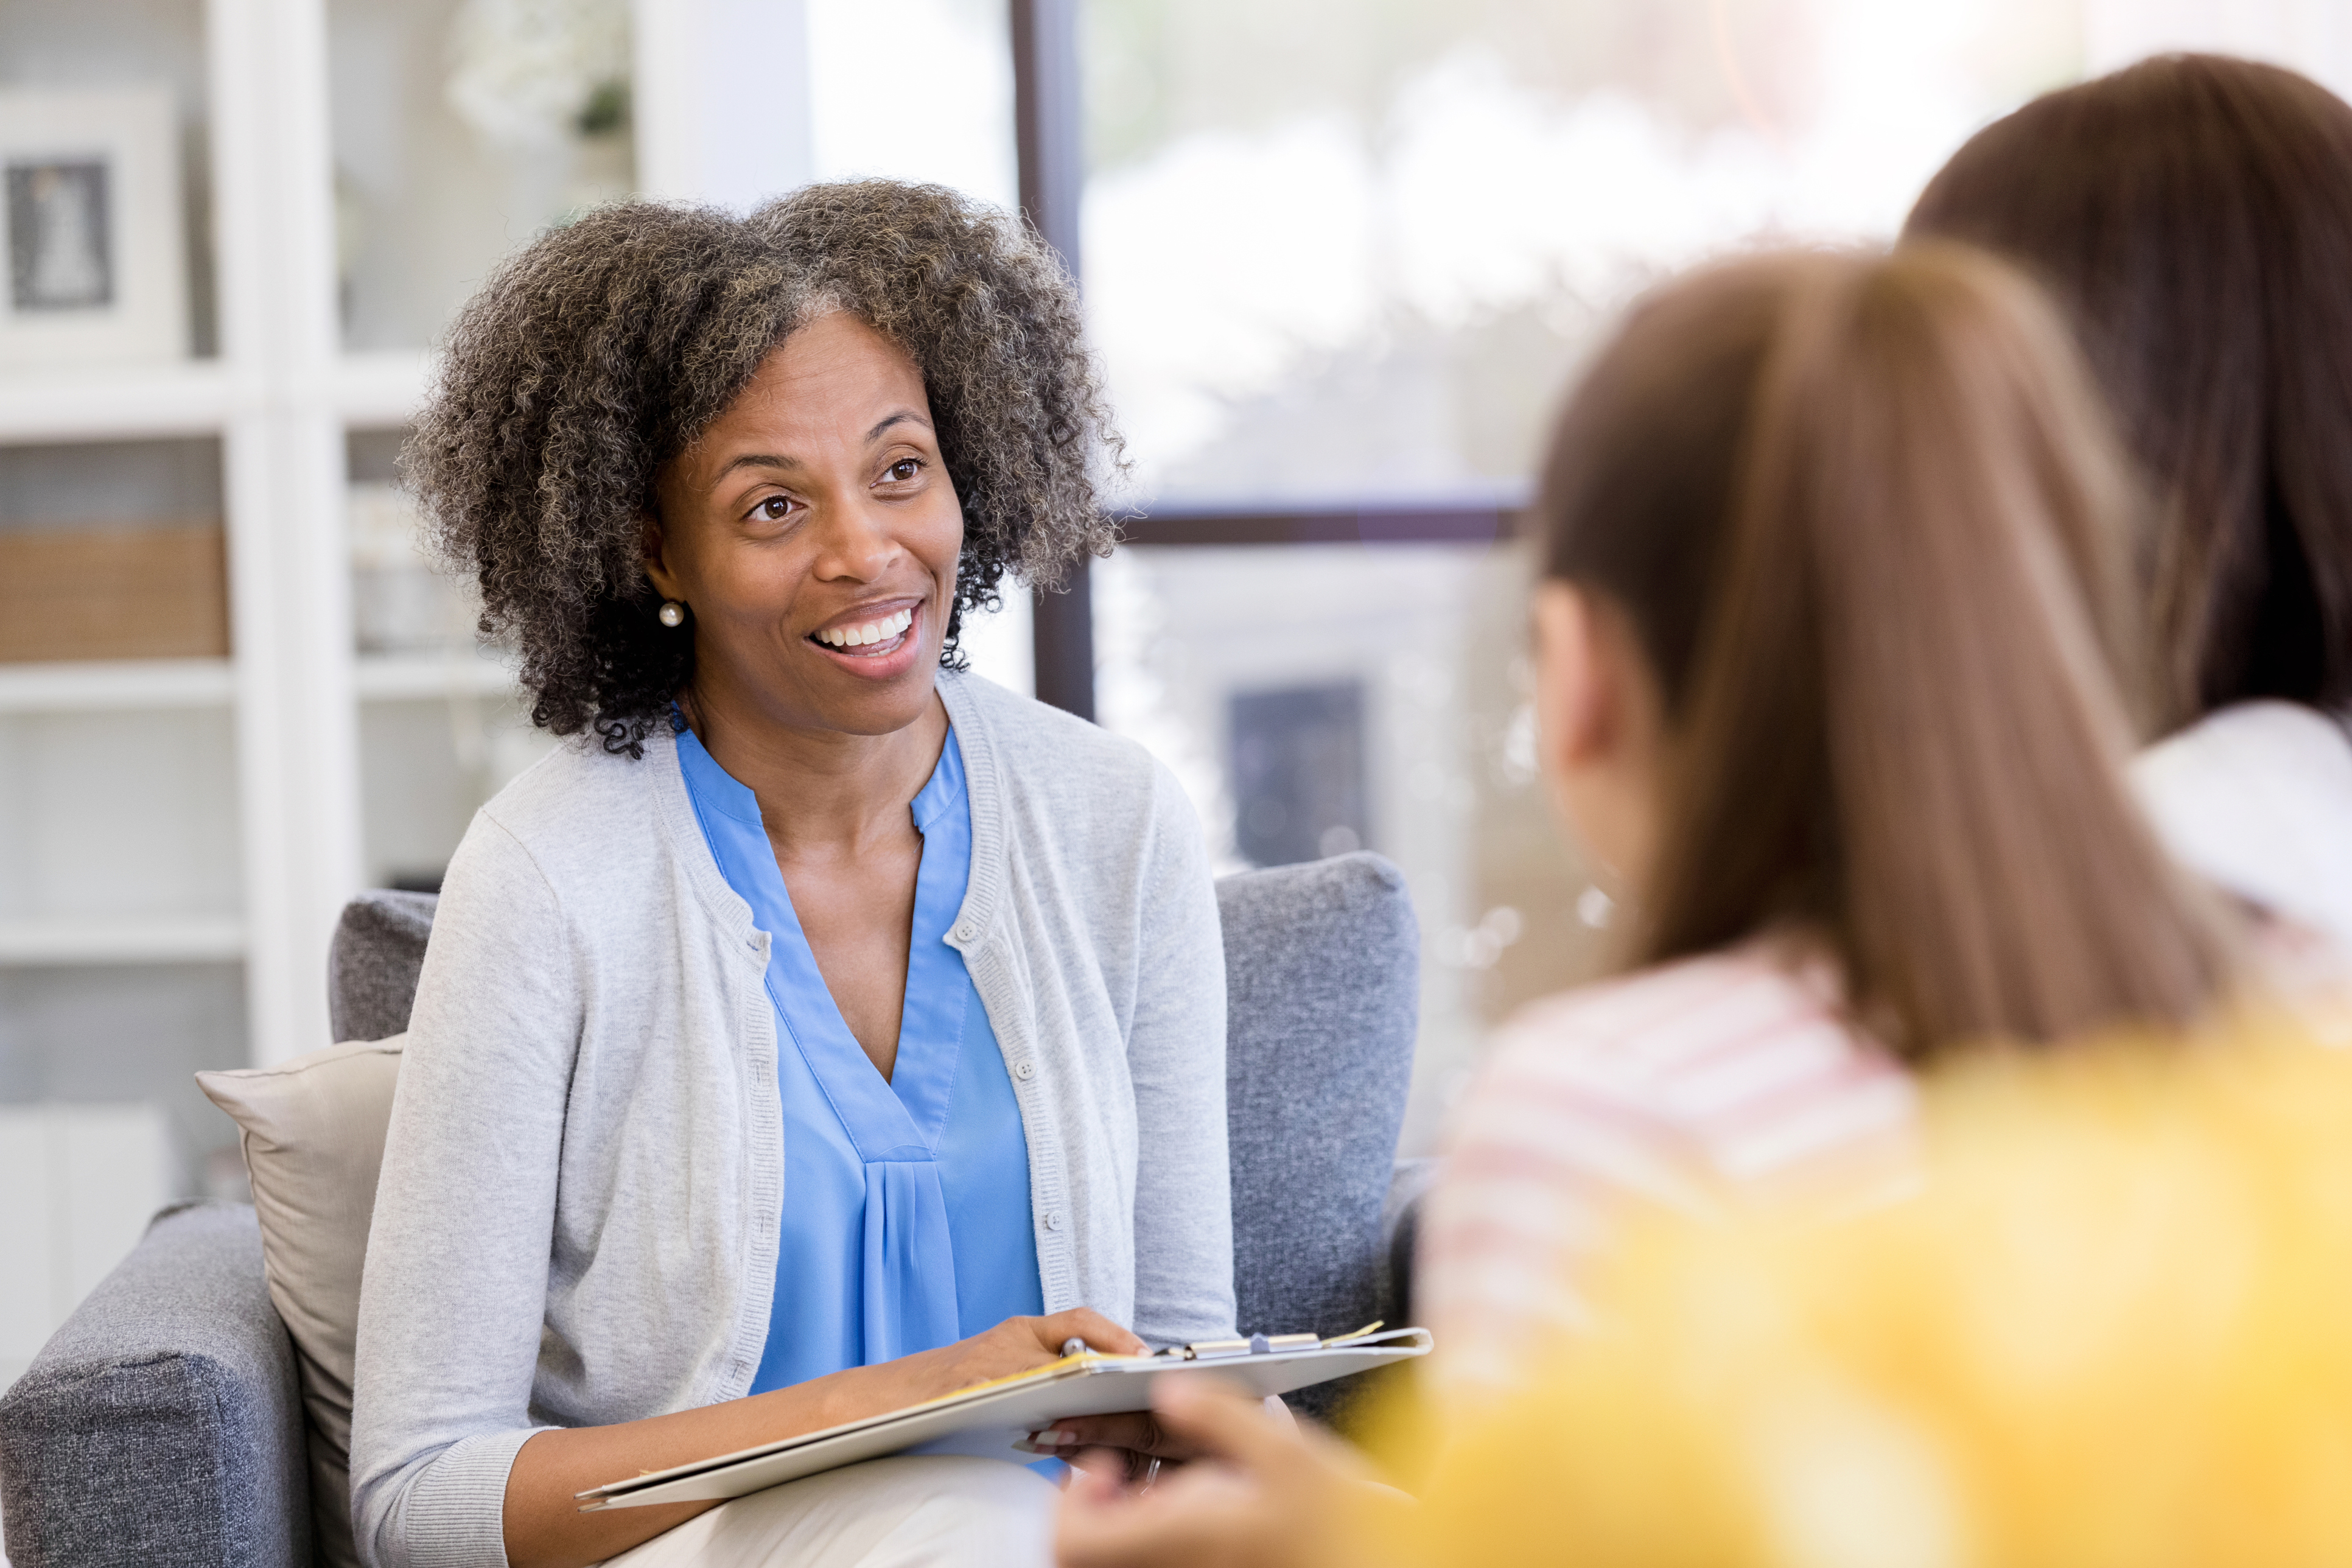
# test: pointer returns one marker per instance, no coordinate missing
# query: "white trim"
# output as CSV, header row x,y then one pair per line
x,y
290,577
126,684
378,390
413,678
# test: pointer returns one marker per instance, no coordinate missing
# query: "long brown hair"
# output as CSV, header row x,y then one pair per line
x,y
2193,215
1865,520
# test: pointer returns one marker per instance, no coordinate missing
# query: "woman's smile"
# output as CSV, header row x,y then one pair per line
x,y
878,641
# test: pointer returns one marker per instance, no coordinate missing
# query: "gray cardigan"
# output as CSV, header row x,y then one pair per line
x,y
577,1219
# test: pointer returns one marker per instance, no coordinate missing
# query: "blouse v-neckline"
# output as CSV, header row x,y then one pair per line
x,y
899,1118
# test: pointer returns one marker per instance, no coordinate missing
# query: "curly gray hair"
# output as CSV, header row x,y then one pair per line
x,y
603,349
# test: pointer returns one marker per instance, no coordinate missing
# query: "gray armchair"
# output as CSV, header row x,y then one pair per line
x,y
162,1426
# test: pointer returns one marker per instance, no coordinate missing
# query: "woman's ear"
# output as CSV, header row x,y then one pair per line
x,y
1599,726
653,544
1578,717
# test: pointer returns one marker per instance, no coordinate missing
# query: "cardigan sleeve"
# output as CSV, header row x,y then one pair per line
x,y
1176,1059
455,1290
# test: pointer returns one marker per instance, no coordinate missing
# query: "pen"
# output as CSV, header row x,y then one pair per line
x,y
1073,1346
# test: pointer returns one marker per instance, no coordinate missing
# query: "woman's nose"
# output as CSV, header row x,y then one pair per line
x,y
855,541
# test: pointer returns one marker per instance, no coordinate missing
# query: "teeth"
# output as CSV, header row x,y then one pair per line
x,y
882,630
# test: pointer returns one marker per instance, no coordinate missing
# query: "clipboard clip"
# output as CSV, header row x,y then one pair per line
x,y
1269,1344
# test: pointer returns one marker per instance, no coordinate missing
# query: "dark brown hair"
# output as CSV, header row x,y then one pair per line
x,y
2193,215
603,348
1864,518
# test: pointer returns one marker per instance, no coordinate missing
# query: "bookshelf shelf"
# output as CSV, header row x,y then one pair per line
x,y
193,398
117,685
57,941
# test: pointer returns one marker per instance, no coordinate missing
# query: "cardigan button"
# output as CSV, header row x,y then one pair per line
x,y
966,931
1024,1070
1053,1220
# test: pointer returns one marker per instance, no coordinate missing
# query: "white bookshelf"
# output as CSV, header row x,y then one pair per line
x,y
177,835
297,103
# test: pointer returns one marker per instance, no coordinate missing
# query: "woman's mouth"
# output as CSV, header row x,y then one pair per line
x,y
877,639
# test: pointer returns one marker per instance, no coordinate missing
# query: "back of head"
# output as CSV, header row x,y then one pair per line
x,y
1863,517
2194,216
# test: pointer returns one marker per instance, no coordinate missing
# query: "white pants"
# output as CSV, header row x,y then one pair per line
x,y
929,1511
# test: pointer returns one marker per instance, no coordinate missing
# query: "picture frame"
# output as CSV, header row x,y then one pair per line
x,y
92,255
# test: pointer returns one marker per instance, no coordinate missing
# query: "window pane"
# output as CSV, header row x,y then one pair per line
x,y
1322,698
1347,253
1345,250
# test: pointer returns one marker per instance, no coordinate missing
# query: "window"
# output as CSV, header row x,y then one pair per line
x,y
1340,262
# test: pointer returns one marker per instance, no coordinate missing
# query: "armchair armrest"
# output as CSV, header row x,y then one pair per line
x,y
163,1424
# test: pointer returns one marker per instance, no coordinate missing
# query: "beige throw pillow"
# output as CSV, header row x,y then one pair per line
x,y
314,1132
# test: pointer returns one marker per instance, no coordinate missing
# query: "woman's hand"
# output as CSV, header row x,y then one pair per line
x,y
1126,1444
1015,1345
545,1528
1264,1492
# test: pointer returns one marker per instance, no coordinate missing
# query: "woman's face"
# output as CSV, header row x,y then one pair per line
x,y
813,533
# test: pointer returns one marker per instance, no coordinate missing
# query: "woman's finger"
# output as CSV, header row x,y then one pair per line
x,y
1193,1516
1117,1463
1085,1323
1092,1485
1097,1331
1138,1431
1208,1416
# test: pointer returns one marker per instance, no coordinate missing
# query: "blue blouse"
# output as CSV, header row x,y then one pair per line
x,y
906,1219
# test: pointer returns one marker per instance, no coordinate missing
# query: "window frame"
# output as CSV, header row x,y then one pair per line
x,y
1048,112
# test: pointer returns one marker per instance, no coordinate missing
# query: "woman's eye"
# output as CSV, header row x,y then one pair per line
x,y
905,468
775,509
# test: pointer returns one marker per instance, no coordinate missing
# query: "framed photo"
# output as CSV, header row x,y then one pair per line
x,y
90,226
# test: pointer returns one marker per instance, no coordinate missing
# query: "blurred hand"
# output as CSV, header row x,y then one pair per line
x,y
1263,1492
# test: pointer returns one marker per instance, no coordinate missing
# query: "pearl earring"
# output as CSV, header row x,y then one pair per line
x,y
671,614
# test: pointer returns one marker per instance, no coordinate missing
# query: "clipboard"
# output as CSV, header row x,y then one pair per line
x,y
989,1418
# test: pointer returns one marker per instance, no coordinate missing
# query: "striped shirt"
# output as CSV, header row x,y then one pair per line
x,y
1727,1079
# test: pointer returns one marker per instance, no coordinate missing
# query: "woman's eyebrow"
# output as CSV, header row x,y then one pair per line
x,y
904,417
753,460
772,460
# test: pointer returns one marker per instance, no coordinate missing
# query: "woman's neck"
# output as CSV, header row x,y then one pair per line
x,y
820,790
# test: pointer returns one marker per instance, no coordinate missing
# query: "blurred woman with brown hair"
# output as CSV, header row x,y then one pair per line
x,y
1831,593
2193,216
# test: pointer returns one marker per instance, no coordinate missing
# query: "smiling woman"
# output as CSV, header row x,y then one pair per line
x,y
825,1029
